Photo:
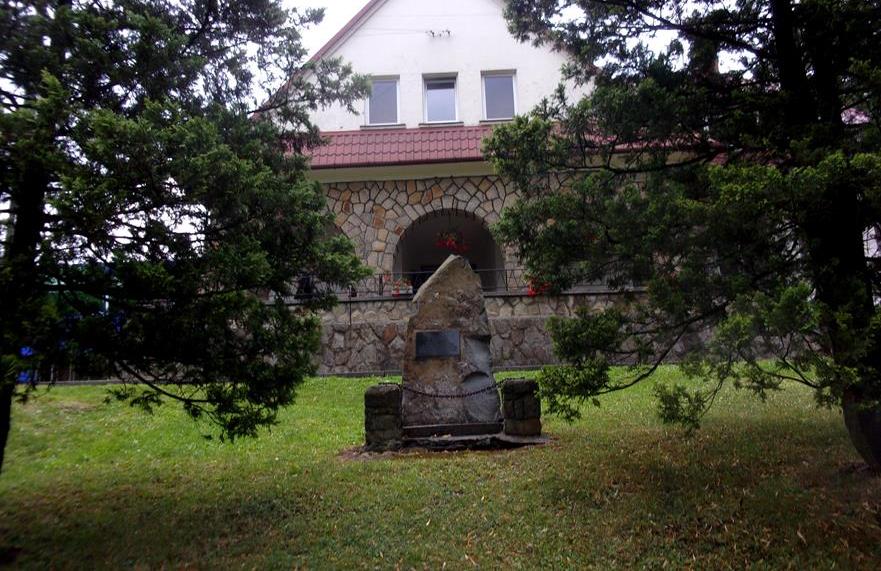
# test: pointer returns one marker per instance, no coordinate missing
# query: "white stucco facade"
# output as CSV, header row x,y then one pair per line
x,y
412,39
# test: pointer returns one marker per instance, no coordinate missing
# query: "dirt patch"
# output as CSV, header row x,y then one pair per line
x,y
358,454
860,469
76,406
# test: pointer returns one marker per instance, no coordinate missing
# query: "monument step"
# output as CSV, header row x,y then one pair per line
x,y
452,430
474,442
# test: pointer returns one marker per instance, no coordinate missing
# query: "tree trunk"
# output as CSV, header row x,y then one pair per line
x,y
834,233
864,426
790,67
7,389
21,286
843,287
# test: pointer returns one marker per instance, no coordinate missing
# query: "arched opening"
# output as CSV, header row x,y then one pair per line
x,y
430,240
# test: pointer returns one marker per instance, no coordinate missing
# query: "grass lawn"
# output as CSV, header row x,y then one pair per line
x,y
772,485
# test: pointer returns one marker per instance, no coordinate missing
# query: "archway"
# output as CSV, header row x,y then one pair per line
x,y
426,244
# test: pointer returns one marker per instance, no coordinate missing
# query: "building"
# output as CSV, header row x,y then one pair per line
x,y
407,182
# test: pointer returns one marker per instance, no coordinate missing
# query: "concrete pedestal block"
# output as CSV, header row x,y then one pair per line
x,y
382,418
521,407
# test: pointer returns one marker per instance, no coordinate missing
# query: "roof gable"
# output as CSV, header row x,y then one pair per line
x,y
364,16
356,22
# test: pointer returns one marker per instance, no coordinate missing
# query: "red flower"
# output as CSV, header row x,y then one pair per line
x,y
535,288
451,241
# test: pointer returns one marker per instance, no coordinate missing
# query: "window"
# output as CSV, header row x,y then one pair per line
x,y
498,96
440,100
382,107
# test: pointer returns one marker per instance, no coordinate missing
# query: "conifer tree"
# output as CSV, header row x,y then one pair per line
x,y
723,175
154,221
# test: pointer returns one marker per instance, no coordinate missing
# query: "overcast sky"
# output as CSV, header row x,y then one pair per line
x,y
336,14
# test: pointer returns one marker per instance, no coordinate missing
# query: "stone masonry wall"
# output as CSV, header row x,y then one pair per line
x,y
368,337
375,214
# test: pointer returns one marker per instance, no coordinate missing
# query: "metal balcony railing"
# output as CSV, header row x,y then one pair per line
x,y
496,281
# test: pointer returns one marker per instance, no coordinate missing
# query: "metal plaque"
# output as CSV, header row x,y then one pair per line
x,y
435,344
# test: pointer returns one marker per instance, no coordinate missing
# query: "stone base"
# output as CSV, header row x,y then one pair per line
x,y
382,418
452,430
499,441
521,408
527,428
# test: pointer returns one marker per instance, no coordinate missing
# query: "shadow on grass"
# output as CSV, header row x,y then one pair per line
x,y
725,498
190,523
757,487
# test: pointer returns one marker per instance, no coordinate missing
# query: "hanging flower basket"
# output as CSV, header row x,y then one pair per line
x,y
451,241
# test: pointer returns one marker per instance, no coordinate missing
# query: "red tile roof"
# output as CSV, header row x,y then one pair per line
x,y
386,147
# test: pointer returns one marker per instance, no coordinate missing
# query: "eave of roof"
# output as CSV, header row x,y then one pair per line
x,y
344,31
328,47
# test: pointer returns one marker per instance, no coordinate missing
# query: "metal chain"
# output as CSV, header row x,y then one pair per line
x,y
492,387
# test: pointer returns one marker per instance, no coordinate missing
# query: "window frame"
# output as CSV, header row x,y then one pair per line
x,y
498,73
397,80
426,79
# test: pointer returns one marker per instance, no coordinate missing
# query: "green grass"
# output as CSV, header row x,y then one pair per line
x,y
768,485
